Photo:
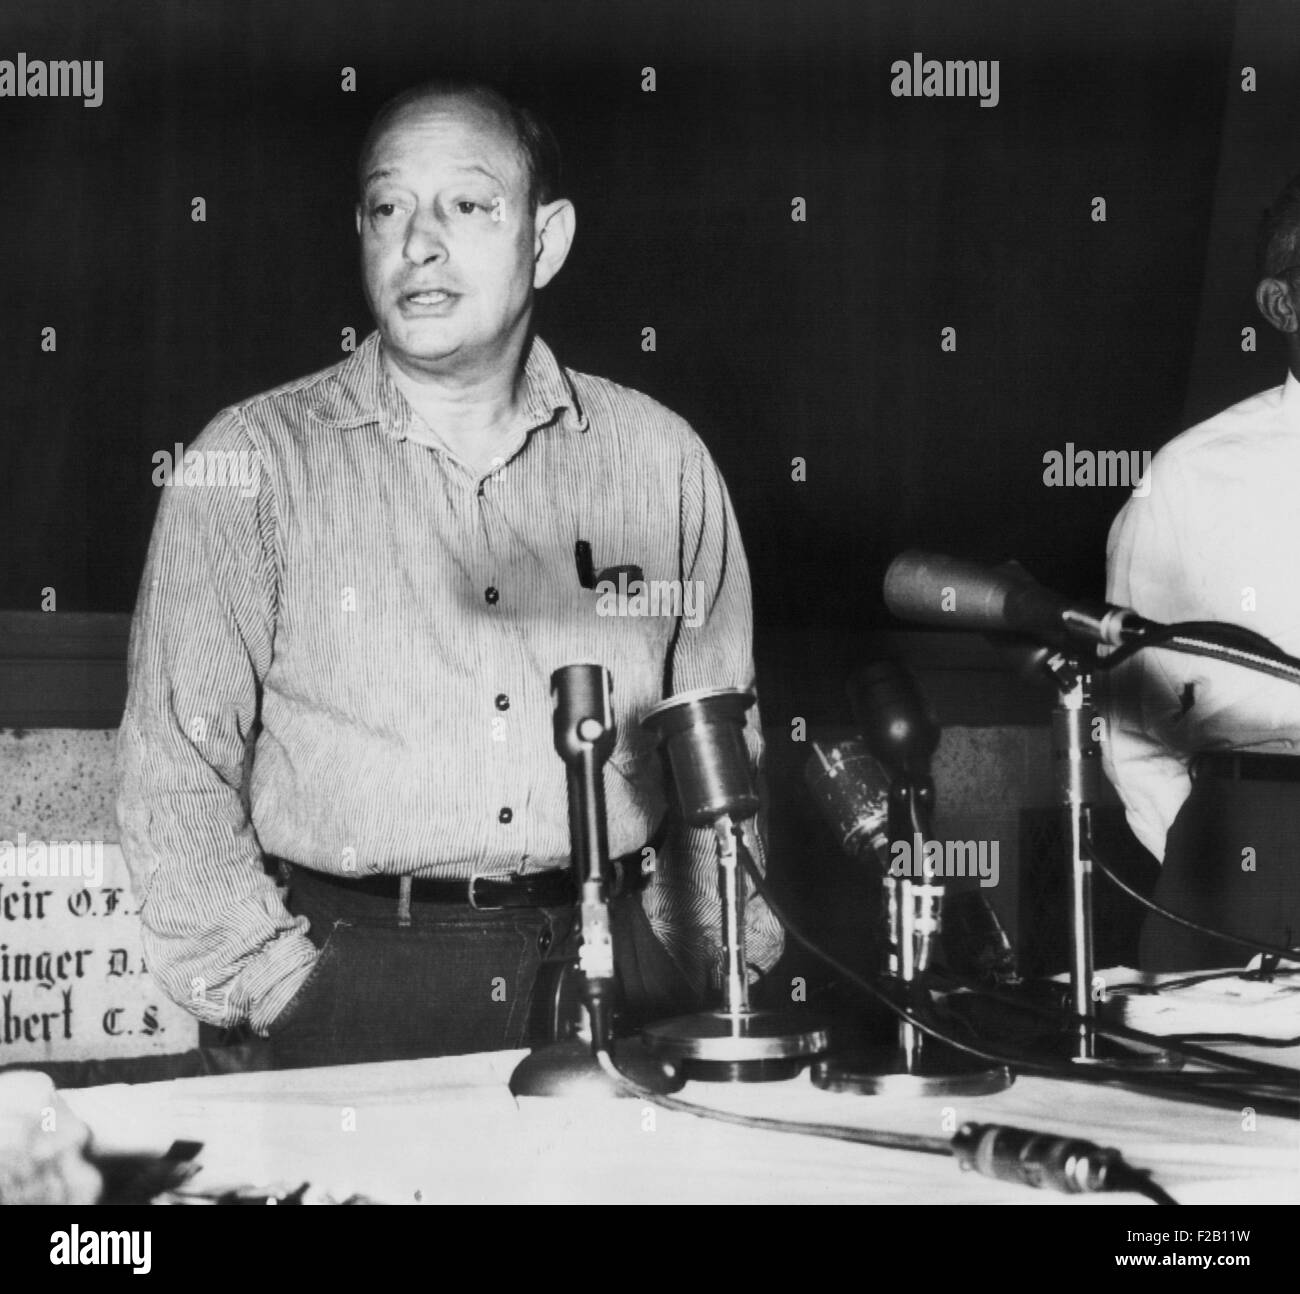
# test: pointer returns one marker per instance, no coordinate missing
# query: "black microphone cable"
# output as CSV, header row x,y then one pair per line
x,y
1037,1159
1254,945
1222,1088
1070,1165
1215,639
1259,1069
1095,1074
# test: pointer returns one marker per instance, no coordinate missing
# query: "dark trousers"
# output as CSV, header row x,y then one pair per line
x,y
455,979
1226,827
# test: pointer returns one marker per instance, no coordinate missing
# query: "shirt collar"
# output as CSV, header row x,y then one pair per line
x,y
360,393
1291,399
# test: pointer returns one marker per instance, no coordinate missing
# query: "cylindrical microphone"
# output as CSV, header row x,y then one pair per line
x,y
704,734
852,791
933,589
584,736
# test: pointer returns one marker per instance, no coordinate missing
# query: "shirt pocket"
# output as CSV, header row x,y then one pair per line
x,y
634,648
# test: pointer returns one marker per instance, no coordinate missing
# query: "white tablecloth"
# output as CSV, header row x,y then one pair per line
x,y
448,1130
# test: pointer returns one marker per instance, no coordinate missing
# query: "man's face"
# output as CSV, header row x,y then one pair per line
x,y
447,240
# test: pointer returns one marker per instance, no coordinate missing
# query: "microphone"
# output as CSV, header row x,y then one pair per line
x,y
933,589
582,716
852,791
704,734
893,718
584,731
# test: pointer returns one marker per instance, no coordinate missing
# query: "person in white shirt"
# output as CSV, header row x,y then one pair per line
x,y
1206,755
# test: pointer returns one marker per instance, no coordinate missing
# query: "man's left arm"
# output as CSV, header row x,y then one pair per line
x,y
683,905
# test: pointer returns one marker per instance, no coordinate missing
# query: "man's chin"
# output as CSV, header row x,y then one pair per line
x,y
422,347
439,346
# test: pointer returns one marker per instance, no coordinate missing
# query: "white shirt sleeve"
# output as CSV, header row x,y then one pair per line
x,y
1211,535
1146,749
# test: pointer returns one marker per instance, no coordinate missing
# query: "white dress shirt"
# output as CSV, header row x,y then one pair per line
x,y
1213,533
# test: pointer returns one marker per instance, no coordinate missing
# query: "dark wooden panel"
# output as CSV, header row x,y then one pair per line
x,y
62,669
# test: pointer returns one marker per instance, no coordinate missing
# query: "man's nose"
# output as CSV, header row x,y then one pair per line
x,y
425,239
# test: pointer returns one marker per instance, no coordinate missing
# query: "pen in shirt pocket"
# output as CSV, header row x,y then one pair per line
x,y
586,568
621,577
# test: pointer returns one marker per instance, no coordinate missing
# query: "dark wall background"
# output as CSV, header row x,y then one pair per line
x,y
777,339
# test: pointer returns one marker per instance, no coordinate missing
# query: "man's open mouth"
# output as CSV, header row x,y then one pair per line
x,y
430,297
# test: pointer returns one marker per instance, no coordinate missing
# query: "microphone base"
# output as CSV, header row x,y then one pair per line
x,y
570,1069
743,1071
1112,1054
739,1047
884,1071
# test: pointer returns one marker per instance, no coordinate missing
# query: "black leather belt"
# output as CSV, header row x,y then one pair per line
x,y
1248,766
552,888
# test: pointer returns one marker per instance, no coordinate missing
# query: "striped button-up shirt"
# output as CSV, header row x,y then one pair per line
x,y
342,650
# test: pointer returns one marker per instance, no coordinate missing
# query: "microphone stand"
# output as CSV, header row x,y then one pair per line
x,y
584,739
902,736
915,1065
914,909
1076,772
704,735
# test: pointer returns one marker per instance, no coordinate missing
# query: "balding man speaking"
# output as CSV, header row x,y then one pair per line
x,y
340,677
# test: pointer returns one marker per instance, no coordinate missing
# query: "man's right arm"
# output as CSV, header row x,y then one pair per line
x,y
1151,564
217,936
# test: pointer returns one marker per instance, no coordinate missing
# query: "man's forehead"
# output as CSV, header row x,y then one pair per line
x,y
455,131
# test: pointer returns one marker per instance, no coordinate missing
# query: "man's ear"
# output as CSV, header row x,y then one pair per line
x,y
1277,304
554,227
358,218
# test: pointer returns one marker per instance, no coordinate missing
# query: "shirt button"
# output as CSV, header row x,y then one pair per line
x,y
502,701
505,815
491,596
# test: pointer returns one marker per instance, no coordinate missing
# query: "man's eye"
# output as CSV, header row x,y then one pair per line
x,y
382,210
467,207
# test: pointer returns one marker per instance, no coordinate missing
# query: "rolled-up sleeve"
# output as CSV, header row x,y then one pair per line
x,y
217,936
684,906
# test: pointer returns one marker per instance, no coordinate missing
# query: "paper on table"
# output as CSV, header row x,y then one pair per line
x,y
1226,1003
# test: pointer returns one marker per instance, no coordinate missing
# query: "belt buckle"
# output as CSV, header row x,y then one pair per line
x,y
473,902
